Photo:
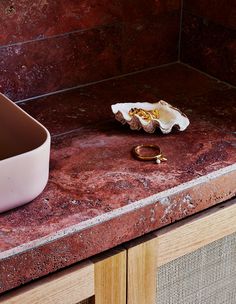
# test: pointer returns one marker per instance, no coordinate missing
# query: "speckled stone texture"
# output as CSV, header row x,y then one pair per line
x,y
208,40
47,46
220,12
24,20
98,196
42,66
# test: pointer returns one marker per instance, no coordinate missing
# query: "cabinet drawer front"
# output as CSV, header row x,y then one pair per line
x,y
192,261
68,286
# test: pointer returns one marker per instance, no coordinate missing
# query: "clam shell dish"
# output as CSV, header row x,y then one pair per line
x,y
149,116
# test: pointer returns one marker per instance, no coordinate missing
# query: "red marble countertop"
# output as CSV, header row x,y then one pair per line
x,y
98,196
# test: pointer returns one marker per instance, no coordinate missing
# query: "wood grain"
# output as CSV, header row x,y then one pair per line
x,y
142,272
69,286
110,278
197,231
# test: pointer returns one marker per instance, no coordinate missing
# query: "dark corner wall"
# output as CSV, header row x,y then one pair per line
x,y
208,39
48,45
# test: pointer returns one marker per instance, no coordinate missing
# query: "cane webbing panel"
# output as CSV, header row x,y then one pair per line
x,y
205,276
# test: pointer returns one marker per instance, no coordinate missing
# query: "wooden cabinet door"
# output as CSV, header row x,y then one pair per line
x,y
101,280
192,261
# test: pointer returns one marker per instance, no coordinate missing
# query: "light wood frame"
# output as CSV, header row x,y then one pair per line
x,y
102,278
141,271
164,245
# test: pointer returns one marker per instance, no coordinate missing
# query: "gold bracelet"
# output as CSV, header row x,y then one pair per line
x,y
159,157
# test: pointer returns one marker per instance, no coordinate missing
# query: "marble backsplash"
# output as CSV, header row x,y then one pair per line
x,y
46,46
209,37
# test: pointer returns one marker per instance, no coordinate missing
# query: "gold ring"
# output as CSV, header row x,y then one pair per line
x,y
158,157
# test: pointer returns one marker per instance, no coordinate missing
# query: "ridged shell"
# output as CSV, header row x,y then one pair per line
x,y
169,116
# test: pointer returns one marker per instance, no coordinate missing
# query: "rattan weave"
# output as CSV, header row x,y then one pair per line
x,y
205,276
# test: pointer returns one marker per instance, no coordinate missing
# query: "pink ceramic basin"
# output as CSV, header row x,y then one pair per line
x,y
24,156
